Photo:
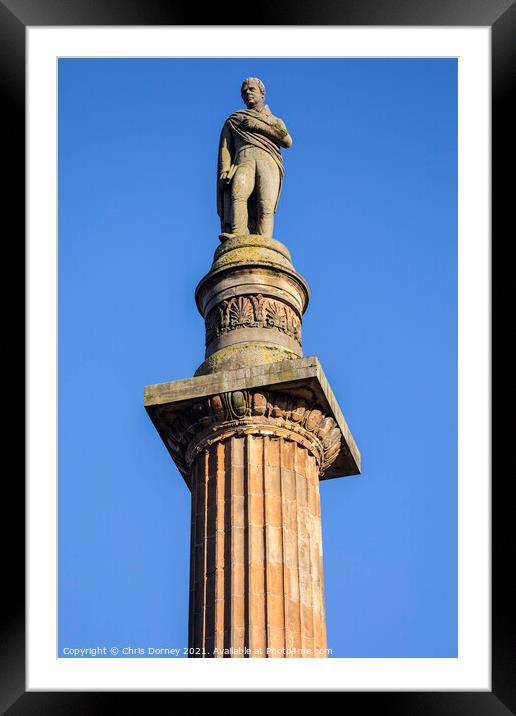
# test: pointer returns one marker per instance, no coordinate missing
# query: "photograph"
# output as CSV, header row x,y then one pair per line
x,y
257,294
258,368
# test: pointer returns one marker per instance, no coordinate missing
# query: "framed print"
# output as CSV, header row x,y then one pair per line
x,y
111,113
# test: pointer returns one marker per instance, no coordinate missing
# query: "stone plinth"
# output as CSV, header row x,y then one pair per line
x,y
252,445
252,301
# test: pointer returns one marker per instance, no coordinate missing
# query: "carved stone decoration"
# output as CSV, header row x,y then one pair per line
x,y
252,412
254,311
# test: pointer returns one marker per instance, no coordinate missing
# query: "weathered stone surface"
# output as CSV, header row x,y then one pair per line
x,y
256,582
302,381
252,300
250,167
245,355
251,249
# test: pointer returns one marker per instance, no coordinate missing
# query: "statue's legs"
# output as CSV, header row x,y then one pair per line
x,y
241,189
263,174
267,188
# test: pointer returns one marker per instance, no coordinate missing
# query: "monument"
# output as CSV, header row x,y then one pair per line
x,y
257,428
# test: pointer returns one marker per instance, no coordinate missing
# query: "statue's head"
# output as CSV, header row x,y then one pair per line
x,y
253,92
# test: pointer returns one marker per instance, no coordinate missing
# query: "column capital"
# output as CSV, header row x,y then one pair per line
x,y
290,399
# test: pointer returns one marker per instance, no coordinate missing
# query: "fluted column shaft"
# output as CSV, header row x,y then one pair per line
x,y
256,576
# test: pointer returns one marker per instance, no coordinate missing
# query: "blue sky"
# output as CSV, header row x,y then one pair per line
x,y
369,212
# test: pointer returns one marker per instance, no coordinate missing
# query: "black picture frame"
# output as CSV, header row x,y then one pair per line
x,y
500,15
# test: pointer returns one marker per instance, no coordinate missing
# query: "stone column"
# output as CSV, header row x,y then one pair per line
x,y
256,581
253,434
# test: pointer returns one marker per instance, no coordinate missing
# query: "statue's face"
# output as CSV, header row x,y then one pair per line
x,y
251,94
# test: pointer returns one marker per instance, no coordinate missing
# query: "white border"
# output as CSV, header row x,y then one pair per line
x,y
471,671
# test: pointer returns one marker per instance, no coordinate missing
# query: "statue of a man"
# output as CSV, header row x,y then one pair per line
x,y
250,167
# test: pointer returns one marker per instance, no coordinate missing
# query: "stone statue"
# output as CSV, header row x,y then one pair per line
x,y
250,167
